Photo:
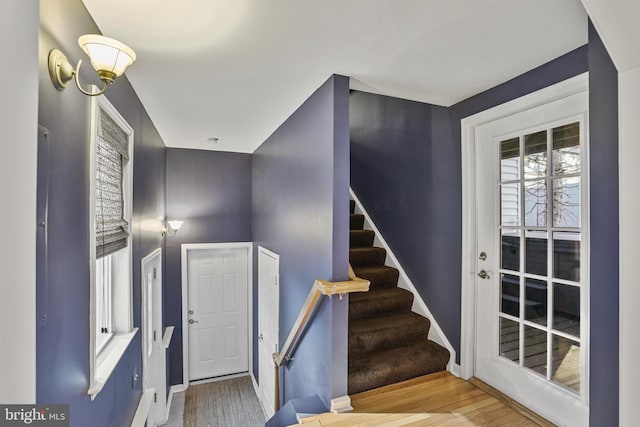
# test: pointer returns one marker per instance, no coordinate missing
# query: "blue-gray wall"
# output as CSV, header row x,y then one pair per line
x,y
405,169
566,66
604,243
62,343
211,192
300,211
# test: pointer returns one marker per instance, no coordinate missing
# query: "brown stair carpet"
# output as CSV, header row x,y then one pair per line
x,y
387,341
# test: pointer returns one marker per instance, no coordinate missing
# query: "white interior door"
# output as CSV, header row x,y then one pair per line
x,y
153,353
268,329
217,307
532,261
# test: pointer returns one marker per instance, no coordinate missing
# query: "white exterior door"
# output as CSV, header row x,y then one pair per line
x,y
153,352
531,258
217,312
268,329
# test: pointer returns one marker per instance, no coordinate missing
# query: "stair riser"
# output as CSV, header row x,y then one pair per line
x,y
365,309
367,257
359,383
395,365
367,342
361,238
356,222
382,279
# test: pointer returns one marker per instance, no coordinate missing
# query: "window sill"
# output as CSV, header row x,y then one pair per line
x,y
108,359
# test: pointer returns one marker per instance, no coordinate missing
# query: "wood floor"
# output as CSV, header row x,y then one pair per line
x,y
434,400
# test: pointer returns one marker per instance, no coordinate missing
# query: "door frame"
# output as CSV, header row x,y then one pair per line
x,y
186,248
144,263
541,97
267,406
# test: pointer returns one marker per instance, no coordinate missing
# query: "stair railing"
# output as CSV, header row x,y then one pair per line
x,y
319,288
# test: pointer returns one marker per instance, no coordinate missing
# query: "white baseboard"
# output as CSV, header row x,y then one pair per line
x,y
435,333
455,369
178,388
341,404
257,390
144,405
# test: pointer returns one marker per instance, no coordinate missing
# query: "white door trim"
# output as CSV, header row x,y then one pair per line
x,y
185,249
267,398
544,96
145,263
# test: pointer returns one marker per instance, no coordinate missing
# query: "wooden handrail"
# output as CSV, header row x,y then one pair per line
x,y
319,288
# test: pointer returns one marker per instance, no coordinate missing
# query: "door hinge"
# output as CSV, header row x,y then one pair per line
x,y
275,282
155,275
155,397
154,336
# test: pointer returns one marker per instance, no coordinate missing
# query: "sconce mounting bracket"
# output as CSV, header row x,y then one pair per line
x,y
60,70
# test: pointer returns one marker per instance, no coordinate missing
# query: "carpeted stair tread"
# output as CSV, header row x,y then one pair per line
x,y
356,221
388,343
367,257
361,238
379,302
380,277
385,332
386,367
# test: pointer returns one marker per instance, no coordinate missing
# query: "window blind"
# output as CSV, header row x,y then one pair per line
x,y
112,151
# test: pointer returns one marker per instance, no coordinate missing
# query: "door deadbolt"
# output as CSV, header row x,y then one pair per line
x,y
483,256
484,275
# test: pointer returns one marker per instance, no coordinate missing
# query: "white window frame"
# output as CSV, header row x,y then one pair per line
x,y
104,288
105,353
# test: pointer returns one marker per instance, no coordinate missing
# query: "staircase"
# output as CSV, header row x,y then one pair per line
x,y
387,341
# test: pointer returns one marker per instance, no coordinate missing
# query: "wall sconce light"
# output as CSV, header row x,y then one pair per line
x,y
174,226
109,57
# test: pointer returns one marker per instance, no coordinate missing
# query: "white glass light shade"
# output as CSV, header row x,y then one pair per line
x,y
175,224
107,54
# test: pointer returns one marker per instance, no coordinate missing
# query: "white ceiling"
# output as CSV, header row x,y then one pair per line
x,y
617,24
236,69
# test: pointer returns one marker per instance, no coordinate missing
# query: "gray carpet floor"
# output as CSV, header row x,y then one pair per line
x,y
228,403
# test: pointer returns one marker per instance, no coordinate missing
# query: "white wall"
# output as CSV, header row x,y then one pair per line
x,y
19,27
629,155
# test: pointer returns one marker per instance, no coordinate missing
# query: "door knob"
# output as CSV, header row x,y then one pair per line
x,y
191,321
484,275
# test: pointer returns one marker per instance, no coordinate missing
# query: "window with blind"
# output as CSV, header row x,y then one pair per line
x,y
112,154
111,278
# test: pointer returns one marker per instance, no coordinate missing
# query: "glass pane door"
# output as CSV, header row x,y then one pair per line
x,y
540,234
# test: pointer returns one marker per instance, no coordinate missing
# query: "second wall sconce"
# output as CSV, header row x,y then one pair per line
x,y
109,57
174,226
